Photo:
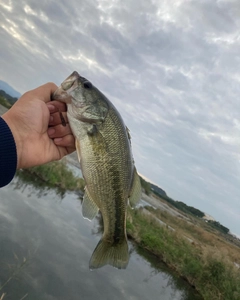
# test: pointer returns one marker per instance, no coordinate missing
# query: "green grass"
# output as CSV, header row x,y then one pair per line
x,y
59,175
211,274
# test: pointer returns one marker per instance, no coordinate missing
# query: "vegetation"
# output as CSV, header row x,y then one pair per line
x,y
4,102
58,174
195,212
146,186
183,207
11,100
207,269
218,226
193,248
150,187
200,233
15,269
157,190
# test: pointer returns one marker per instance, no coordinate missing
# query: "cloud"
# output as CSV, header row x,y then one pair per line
x,y
170,67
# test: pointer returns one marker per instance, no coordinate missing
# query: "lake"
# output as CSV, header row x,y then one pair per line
x,y
46,244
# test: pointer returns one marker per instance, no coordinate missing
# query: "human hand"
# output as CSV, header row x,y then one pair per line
x,y
37,128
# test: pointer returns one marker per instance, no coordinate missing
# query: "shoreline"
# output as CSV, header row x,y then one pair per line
x,y
196,260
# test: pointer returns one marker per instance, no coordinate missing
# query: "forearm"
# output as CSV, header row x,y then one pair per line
x,y
8,154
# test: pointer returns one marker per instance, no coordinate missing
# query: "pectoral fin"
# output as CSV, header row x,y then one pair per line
x,y
136,190
77,145
89,208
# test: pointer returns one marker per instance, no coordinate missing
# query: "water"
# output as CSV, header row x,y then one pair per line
x,y
45,247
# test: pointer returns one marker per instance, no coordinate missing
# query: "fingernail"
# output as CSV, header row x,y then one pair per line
x,y
57,140
51,131
51,118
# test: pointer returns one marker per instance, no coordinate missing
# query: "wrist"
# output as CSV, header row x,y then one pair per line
x,y
8,154
14,130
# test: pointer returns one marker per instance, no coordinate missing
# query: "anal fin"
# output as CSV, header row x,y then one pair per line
x,y
89,207
136,190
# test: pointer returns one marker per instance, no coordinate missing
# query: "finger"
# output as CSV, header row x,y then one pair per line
x,y
66,141
56,106
45,91
64,151
55,119
65,145
59,131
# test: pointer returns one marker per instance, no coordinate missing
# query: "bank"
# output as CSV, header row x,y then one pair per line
x,y
206,269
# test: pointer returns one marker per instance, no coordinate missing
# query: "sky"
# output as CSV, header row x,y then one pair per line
x,y
172,69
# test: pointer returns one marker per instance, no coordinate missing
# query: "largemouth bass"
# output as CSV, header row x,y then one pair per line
x,y
104,151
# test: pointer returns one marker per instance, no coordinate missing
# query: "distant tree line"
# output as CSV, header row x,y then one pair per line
x,y
218,226
8,98
156,189
189,209
196,212
185,208
4,102
149,187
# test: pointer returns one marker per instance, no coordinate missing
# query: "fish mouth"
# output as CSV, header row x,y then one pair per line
x,y
62,93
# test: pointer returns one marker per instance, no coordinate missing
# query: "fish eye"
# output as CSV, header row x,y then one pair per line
x,y
87,84
67,85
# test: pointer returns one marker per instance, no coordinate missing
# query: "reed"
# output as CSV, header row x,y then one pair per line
x,y
206,268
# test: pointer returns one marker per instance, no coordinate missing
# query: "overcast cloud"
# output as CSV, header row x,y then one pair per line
x,y
171,67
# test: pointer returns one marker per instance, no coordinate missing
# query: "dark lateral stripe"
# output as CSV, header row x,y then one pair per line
x,y
116,183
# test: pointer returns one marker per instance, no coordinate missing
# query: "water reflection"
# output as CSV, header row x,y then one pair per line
x,y
25,179
45,229
170,276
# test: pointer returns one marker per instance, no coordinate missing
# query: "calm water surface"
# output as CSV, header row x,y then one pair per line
x,y
45,247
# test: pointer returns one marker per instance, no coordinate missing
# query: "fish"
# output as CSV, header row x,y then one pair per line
x,y
103,146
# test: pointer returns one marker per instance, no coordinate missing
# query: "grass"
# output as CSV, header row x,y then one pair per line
x,y
15,270
207,263
57,174
207,269
201,233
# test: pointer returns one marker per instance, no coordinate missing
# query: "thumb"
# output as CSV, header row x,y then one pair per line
x,y
44,92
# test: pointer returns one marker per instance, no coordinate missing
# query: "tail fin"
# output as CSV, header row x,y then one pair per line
x,y
105,253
